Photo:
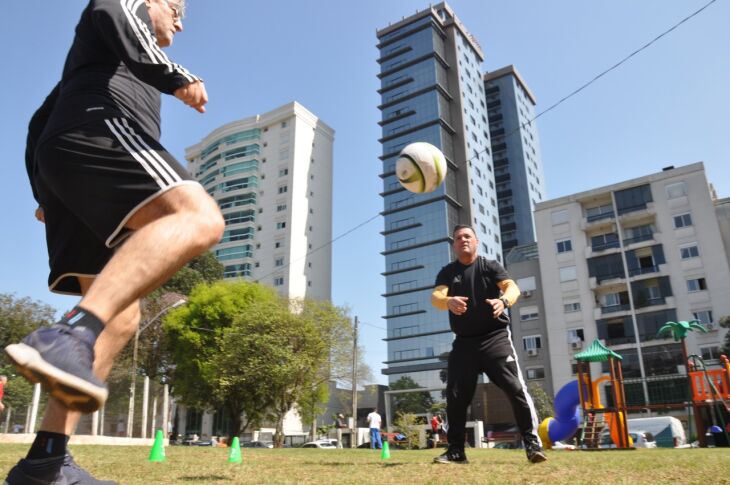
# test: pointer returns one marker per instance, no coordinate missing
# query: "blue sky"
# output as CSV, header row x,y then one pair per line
x,y
668,105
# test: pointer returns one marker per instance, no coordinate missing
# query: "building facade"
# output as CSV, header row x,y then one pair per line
x,y
518,168
618,262
271,175
431,90
529,326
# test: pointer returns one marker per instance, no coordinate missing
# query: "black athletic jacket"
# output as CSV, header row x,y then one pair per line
x,y
114,68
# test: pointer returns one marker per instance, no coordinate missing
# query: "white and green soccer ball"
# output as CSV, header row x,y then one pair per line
x,y
420,168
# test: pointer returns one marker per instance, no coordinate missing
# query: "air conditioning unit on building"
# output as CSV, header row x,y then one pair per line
x,y
527,293
576,345
532,352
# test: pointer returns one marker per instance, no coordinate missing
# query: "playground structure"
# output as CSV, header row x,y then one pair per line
x,y
582,396
710,390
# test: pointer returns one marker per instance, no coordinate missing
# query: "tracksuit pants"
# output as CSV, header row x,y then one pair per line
x,y
469,357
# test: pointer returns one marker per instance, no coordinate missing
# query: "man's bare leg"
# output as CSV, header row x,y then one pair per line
x,y
168,232
118,332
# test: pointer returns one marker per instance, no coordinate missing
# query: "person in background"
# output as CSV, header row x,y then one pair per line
x,y
374,421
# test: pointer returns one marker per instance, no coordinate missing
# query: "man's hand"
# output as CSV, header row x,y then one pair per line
x,y
40,215
194,95
497,307
457,304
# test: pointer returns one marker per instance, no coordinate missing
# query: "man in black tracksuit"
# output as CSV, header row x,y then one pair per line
x,y
477,291
121,214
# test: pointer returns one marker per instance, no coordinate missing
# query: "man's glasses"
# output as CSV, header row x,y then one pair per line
x,y
178,9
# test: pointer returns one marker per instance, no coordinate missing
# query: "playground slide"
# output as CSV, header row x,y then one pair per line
x,y
567,416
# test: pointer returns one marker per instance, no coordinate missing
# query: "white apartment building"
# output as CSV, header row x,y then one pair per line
x,y
618,262
271,174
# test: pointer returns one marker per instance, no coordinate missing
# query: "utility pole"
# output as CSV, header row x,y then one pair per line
x,y
353,436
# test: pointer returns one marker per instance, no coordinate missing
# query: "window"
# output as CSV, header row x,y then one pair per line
x,y
710,353
676,190
281,225
280,207
526,284
564,246
696,284
279,244
600,212
283,172
279,262
405,308
704,316
571,307
567,273
531,342
575,335
688,252
682,220
558,217
633,199
279,281
536,373
529,313
283,189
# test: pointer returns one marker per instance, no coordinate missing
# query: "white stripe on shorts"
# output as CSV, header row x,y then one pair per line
x,y
155,157
142,161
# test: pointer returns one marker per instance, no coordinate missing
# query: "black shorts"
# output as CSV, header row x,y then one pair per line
x,y
90,181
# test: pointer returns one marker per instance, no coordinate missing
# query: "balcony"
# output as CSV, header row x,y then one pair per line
x,y
643,270
615,308
637,239
595,282
638,212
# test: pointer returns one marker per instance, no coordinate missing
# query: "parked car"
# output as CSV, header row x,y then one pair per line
x,y
320,444
641,439
257,444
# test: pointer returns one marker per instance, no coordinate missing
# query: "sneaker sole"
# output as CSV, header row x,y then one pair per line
x,y
538,459
448,462
74,392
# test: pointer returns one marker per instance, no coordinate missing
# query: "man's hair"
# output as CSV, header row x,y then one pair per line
x,y
459,227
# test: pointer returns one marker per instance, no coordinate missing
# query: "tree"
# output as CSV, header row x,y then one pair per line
x,y
543,402
19,317
725,323
203,269
407,424
241,347
410,402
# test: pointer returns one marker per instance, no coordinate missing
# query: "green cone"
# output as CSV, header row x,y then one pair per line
x,y
157,454
385,453
234,456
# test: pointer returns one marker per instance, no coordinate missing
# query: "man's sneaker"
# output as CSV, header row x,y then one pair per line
x,y
51,471
452,455
535,454
61,360
74,474
37,472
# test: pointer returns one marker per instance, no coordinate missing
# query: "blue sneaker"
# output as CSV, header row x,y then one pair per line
x,y
51,471
61,359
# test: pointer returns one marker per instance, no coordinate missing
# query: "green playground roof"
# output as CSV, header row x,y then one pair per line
x,y
597,352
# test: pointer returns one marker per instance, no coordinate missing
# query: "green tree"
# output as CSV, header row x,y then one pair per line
x,y
543,402
243,348
203,269
410,402
19,317
408,425
725,323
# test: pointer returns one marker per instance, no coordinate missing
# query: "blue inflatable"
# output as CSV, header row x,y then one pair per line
x,y
567,413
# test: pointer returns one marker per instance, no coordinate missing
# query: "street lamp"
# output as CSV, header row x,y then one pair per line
x,y
133,385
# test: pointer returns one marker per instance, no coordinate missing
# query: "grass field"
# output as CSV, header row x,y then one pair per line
x,y
189,465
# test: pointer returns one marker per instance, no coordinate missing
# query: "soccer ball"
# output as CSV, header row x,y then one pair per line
x,y
420,168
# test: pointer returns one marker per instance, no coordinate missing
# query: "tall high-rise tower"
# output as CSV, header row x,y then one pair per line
x,y
431,90
271,175
518,170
